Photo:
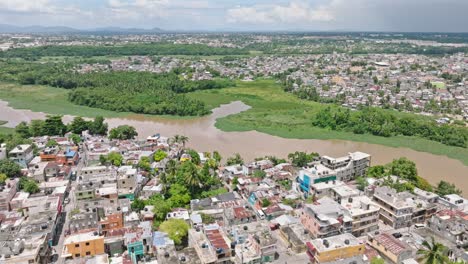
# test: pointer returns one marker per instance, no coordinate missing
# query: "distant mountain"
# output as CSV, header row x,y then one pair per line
x,y
4,28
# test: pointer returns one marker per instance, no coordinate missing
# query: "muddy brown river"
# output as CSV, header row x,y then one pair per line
x,y
204,136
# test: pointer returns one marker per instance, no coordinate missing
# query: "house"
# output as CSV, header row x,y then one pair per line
x,y
22,154
392,249
82,245
450,225
292,239
454,201
326,218
7,192
344,247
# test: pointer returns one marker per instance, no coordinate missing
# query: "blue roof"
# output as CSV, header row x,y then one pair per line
x,y
159,239
70,153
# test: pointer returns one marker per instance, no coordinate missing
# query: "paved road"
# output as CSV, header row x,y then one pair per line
x,y
68,208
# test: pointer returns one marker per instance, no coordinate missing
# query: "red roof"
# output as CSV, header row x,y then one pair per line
x,y
392,244
216,239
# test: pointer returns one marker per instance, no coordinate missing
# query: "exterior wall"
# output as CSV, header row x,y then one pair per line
x,y
86,248
84,194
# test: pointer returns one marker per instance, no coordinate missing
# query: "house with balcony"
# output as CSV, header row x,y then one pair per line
x,y
22,154
364,212
326,218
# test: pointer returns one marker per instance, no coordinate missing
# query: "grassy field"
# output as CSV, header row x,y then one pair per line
x,y
48,100
282,114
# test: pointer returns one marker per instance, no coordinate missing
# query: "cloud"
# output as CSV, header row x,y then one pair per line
x,y
27,6
292,13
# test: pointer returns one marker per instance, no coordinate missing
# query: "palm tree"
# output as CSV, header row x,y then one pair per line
x,y
183,139
175,139
433,253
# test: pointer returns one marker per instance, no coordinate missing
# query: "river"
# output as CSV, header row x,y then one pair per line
x,y
204,136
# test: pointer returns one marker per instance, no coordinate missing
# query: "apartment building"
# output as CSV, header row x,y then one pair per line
x,y
329,169
365,214
326,218
401,209
348,167
127,182
341,247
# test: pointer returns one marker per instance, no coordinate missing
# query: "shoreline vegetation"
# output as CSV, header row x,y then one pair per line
x,y
273,112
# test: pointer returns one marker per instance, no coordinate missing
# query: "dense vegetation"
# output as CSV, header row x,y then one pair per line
x,y
123,50
386,124
138,92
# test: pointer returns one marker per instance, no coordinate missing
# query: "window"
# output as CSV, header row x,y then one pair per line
x,y
77,255
88,253
77,245
87,243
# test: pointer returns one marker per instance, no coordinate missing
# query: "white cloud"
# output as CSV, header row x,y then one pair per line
x,y
294,12
27,6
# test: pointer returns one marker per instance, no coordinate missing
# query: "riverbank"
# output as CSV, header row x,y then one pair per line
x,y
273,112
281,114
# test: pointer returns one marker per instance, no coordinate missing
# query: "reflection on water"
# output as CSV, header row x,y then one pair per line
x,y
205,137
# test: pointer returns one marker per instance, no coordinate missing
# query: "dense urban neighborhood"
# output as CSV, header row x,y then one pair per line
x,y
82,194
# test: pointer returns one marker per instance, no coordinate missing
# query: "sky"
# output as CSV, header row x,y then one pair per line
x,y
243,15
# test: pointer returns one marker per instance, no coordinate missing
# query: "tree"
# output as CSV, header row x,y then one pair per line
x,y
235,160
188,172
53,125
36,128
144,164
432,253
194,155
31,186
115,158
159,155
3,178
266,202
179,195
180,139
10,168
377,171
259,174
217,156
98,127
75,139
300,159
23,130
123,132
404,168
102,159
444,188
161,208
177,229
78,125
138,205
377,260
51,143
361,183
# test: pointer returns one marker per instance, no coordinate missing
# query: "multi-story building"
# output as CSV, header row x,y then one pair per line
x,y
326,218
212,245
82,245
451,225
348,167
364,212
330,169
22,154
127,182
7,192
402,209
341,247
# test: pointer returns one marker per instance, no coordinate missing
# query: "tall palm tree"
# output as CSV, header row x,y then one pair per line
x,y
183,139
175,139
433,253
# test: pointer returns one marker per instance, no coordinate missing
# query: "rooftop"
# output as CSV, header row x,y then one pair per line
x,y
335,242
